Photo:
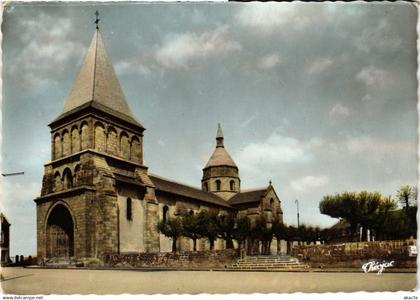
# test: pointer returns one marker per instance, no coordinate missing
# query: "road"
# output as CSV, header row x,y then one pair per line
x,y
55,281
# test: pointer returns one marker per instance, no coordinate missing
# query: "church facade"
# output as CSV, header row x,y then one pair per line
x,y
97,194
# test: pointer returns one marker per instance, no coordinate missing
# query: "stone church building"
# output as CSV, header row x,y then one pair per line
x,y
97,194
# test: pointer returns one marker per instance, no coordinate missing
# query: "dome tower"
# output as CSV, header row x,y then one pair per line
x,y
221,175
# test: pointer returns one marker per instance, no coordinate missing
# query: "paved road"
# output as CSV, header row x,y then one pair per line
x,y
53,281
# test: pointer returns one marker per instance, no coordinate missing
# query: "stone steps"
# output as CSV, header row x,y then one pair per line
x,y
268,263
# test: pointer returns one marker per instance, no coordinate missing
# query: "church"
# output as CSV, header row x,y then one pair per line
x,y
98,196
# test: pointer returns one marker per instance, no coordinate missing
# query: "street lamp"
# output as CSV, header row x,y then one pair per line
x,y
297,206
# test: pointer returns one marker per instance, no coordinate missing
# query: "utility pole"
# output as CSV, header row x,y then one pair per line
x,y
297,206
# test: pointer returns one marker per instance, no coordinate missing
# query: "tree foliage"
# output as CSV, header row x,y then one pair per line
x,y
173,229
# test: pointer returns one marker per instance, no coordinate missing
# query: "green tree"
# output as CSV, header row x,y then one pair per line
x,y
209,226
407,196
172,228
279,231
192,228
242,231
343,206
226,225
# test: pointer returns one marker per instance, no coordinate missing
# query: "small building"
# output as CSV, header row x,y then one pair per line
x,y
5,240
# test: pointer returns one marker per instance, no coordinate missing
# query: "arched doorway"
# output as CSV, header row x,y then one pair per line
x,y
60,233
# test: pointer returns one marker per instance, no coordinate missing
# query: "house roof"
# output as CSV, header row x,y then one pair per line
x,y
248,196
220,156
173,187
97,82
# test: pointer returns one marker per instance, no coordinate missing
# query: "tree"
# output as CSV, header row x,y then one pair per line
x,y
226,225
366,209
209,227
261,232
381,215
342,206
192,228
407,195
241,231
290,236
279,231
172,228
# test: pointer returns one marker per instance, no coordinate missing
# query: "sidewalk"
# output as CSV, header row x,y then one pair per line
x,y
155,269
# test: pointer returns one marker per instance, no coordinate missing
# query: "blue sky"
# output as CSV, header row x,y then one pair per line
x,y
320,98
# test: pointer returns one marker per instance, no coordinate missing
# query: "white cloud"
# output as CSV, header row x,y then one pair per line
x,y
47,49
268,17
269,61
375,79
379,37
17,194
356,145
178,50
126,67
275,152
339,112
319,66
308,183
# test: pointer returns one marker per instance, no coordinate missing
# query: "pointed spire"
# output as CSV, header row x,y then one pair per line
x,y
220,156
219,136
97,81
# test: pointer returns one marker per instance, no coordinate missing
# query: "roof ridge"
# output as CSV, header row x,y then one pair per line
x,y
254,190
177,182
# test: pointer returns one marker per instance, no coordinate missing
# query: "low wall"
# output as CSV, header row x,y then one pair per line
x,y
356,254
188,259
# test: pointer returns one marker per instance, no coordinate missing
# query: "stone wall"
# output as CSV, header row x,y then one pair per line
x,y
356,254
188,259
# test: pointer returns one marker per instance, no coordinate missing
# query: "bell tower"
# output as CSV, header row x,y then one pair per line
x,y
96,164
221,175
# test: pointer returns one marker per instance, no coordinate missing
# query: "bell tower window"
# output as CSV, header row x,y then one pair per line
x,y
218,184
232,185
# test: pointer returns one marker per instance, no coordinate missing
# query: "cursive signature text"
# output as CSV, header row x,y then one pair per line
x,y
373,266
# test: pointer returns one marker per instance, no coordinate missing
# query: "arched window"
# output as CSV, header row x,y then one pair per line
x,y
57,182
75,140
57,146
129,209
100,139
232,185
66,143
135,149
84,136
272,203
124,145
218,184
165,214
112,141
206,187
191,213
67,179
76,175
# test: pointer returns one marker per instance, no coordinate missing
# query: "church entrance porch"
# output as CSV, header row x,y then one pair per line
x,y
60,233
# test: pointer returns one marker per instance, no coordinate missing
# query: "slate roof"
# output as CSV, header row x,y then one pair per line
x,y
249,196
220,156
173,187
98,83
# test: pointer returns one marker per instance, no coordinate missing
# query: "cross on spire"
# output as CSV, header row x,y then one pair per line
x,y
97,19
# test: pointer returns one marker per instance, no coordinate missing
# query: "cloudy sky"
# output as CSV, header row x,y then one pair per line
x,y
319,98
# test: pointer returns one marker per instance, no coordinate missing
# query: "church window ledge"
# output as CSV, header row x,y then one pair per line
x,y
63,193
72,156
